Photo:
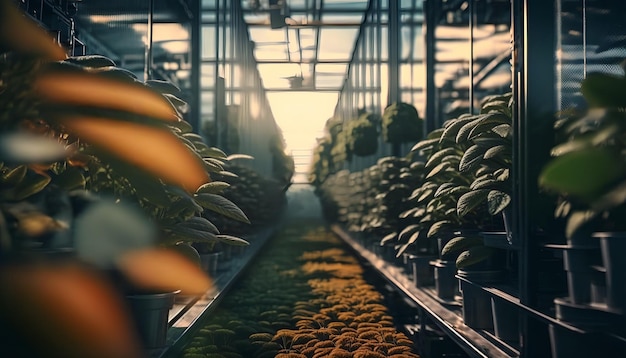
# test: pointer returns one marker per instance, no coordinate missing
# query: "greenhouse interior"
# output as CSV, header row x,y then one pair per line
x,y
312,178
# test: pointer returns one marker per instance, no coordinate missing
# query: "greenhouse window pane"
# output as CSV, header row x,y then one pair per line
x,y
207,100
346,4
207,75
208,42
276,75
337,43
270,52
342,19
209,4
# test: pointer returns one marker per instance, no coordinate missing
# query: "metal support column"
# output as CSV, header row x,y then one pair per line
x,y
147,69
430,23
195,61
536,98
394,61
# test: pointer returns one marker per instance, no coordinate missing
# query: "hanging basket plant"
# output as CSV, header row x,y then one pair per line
x,y
401,123
362,135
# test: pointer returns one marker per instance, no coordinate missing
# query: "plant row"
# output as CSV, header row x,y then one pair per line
x,y
318,305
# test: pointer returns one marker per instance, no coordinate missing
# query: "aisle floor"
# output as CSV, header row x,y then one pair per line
x,y
305,295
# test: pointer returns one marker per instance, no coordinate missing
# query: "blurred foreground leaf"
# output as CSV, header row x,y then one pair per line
x,y
163,270
62,310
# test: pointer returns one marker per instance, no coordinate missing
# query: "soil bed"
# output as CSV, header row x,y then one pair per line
x,y
305,296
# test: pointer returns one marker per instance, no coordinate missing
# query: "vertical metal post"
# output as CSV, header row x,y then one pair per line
x,y
430,23
533,125
472,12
394,61
394,51
195,61
147,69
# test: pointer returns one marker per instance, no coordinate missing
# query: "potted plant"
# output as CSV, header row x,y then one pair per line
x,y
362,135
401,123
588,173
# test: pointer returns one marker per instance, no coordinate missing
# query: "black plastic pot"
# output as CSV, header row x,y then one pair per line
x,y
577,339
613,248
505,320
476,308
422,273
150,312
446,284
577,262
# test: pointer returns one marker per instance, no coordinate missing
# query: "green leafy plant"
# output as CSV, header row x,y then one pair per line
x,y
82,123
467,181
588,169
362,135
401,123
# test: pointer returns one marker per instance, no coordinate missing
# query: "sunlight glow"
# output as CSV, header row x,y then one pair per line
x,y
301,117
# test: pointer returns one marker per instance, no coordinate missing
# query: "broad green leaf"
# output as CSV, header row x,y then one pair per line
x,y
491,140
585,174
389,237
453,128
471,158
408,231
612,199
497,201
15,175
463,135
232,240
182,125
181,232
562,209
444,189
70,179
604,90
407,213
436,133
574,145
438,169
427,194
30,185
221,205
214,187
239,156
214,152
502,174
474,255
226,173
212,165
424,144
501,151
437,157
461,243
201,224
497,105
487,122
439,226
576,220
503,130
470,200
